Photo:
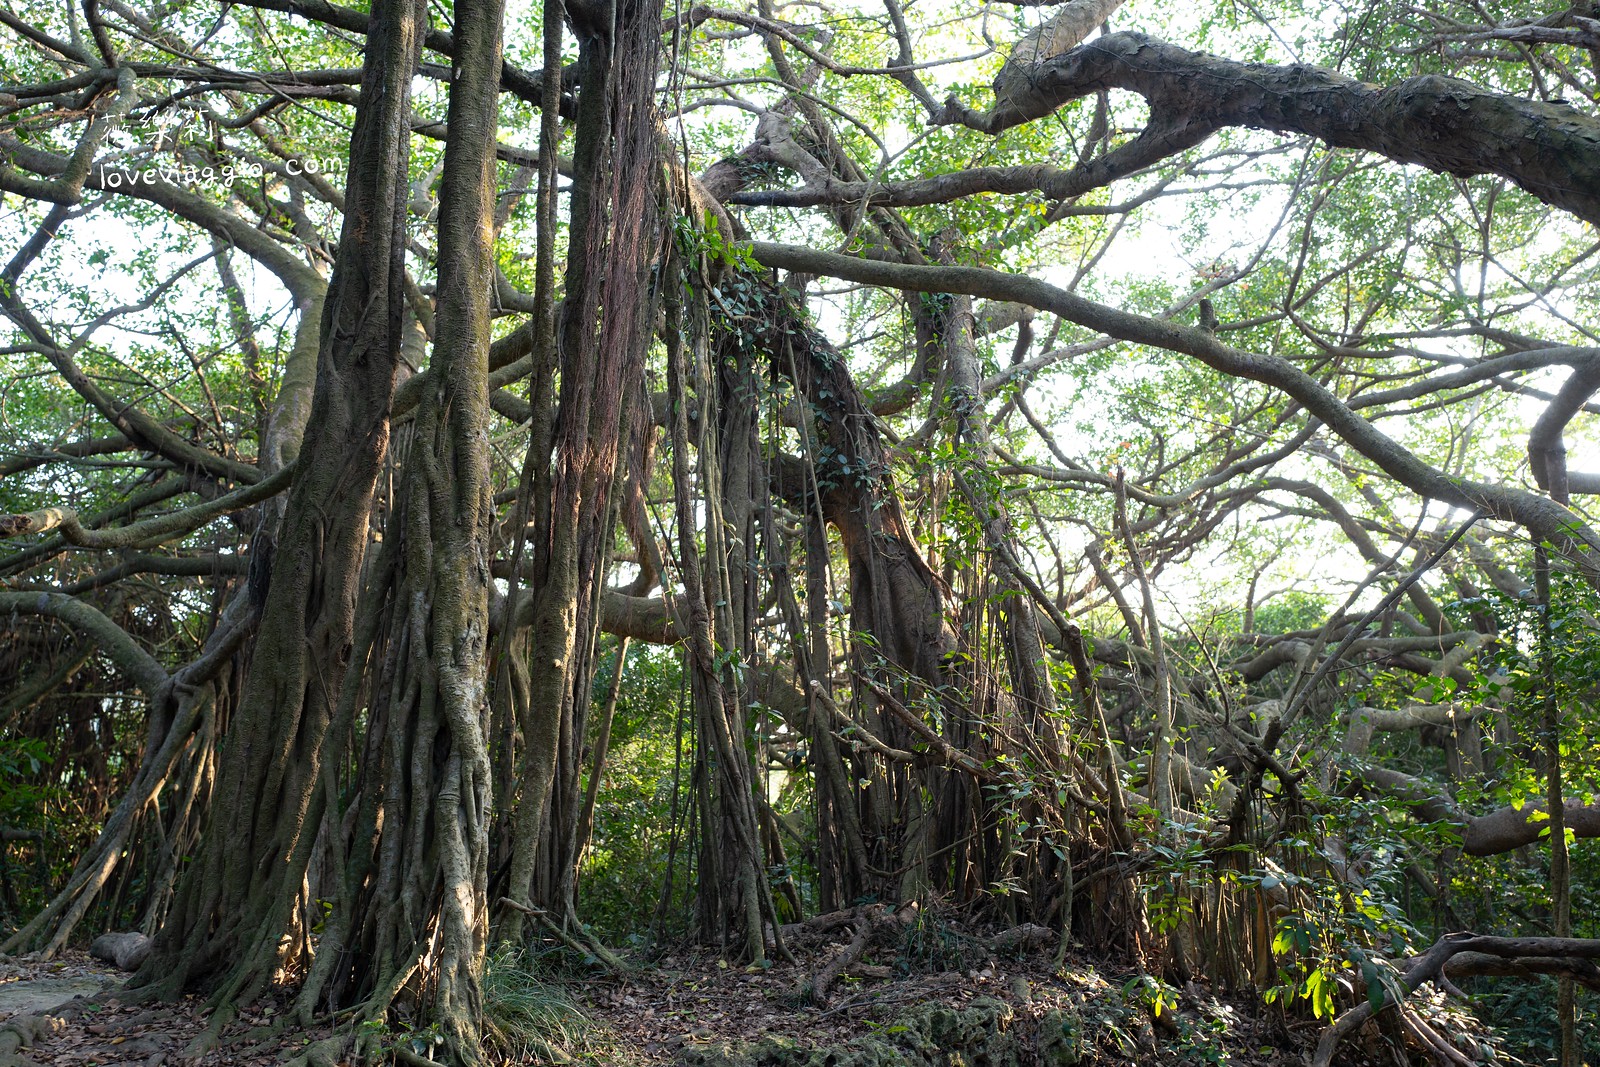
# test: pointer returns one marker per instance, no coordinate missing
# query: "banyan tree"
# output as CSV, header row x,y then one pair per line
x,y
1122,470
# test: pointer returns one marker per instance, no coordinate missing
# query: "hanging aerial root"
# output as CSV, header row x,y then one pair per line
x,y
587,946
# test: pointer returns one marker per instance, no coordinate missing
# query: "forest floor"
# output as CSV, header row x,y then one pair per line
x,y
895,1007
901,1002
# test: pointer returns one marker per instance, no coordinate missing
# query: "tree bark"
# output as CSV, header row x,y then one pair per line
x,y
235,900
1447,125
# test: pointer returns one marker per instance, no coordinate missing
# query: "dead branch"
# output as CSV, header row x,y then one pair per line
x,y
1430,967
868,922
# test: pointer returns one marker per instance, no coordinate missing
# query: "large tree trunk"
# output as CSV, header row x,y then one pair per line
x,y
234,903
424,918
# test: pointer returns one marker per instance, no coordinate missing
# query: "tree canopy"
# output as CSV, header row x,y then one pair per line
x,y
1128,468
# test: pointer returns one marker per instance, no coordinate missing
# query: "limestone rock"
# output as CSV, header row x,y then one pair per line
x,y
1060,1039
126,950
982,1033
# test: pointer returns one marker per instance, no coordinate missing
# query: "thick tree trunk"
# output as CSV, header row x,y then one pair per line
x,y
235,901
435,847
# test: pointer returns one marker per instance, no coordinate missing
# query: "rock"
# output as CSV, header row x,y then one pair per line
x,y
42,994
126,950
982,1033
1024,938
1060,1039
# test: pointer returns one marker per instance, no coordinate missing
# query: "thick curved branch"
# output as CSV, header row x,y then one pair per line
x,y
66,187
1055,36
1447,125
1546,519
1547,452
140,666
212,565
1430,966
150,531
27,460
236,231
1481,370
1482,964
1053,183
1499,831
641,618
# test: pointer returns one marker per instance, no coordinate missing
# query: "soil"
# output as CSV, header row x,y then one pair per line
x,y
910,1000
958,1004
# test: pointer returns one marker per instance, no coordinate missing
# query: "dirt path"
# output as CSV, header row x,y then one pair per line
x,y
103,1031
27,988
29,997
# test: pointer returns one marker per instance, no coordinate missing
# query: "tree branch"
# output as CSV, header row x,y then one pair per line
x,y
1546,519
150,531
1499,831
1551,150
1430,967
114,641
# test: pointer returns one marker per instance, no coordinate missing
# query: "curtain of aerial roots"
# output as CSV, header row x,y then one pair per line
x,y
606,315
181,809
713,472
134,862
910,796
1024,719
914,825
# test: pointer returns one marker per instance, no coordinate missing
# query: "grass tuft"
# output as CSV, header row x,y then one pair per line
x,y
530,1017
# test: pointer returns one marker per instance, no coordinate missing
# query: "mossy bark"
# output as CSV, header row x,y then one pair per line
x,y
234,902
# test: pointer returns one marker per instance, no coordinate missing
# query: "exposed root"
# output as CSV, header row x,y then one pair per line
x,y
211,1036
816,990
26,1031
868,922
1438,1047
416,1059
329,1052
1024,938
